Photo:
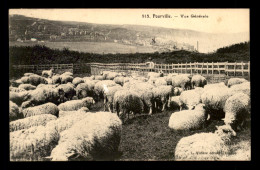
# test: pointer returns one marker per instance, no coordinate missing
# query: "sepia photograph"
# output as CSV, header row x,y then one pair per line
x,y
129,84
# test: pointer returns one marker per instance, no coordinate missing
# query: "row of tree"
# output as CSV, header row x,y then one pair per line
x,y
37,54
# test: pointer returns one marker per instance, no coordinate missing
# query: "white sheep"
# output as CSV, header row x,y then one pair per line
x,y
215,99
56,79
33,80
189,119
177,91
237,109
126,101
161,94
29,122
19,97
205,146
154,74
99,88
48,73
32,144
65,78
66,120
77,80
96,137
243,87
77,104
47,108
182,81
189,99
16,89
109,93
145,91
160,81
68,89
14,112
233,81
27,87
198,81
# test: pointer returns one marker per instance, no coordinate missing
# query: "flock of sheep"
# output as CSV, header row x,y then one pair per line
x,y
51,115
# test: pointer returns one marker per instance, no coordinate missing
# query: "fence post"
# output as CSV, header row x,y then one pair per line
x,y
186,67
242,68
218,68
235,68
202,67
212,68
191,69
249,69
207,68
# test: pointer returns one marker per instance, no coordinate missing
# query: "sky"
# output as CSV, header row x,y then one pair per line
x,y
217,20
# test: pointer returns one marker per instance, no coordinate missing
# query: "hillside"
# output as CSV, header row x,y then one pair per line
x,y
166,39
44,55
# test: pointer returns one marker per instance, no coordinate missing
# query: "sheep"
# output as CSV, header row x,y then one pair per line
x,y
16,83
110,75
243,87
182,81
19,97
154,75
68,89
145,92
174,102
214,100
46,94
67,119
85,89
66,78
119,80
237,109
189,99
198,81
98,77
169,77
65,113
96,137
77,104
56,79
126,101
32,144
16,89
214,86
99,88
27,87
28,74
189,119
161,94
28,122
233,81
48,73
205,146
160,81
14,112
47,108
67,73
177,91
34,80
77,80
109,96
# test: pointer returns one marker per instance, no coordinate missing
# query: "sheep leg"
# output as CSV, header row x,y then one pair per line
x,y
155,107
151,111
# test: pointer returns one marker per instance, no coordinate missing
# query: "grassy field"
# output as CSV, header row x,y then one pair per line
x,y
149,138
91,47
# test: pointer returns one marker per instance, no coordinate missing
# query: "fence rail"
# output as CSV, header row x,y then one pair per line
x,y
205,68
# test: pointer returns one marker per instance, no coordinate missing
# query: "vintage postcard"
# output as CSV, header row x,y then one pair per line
x,y
129,84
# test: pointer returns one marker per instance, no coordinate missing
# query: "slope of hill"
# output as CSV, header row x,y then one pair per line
x,y
21,27
44,55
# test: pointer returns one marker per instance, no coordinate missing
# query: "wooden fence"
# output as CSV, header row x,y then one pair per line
x,y
241,69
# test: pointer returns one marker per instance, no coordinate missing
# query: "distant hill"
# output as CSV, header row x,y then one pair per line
x,y
165,39
44,55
